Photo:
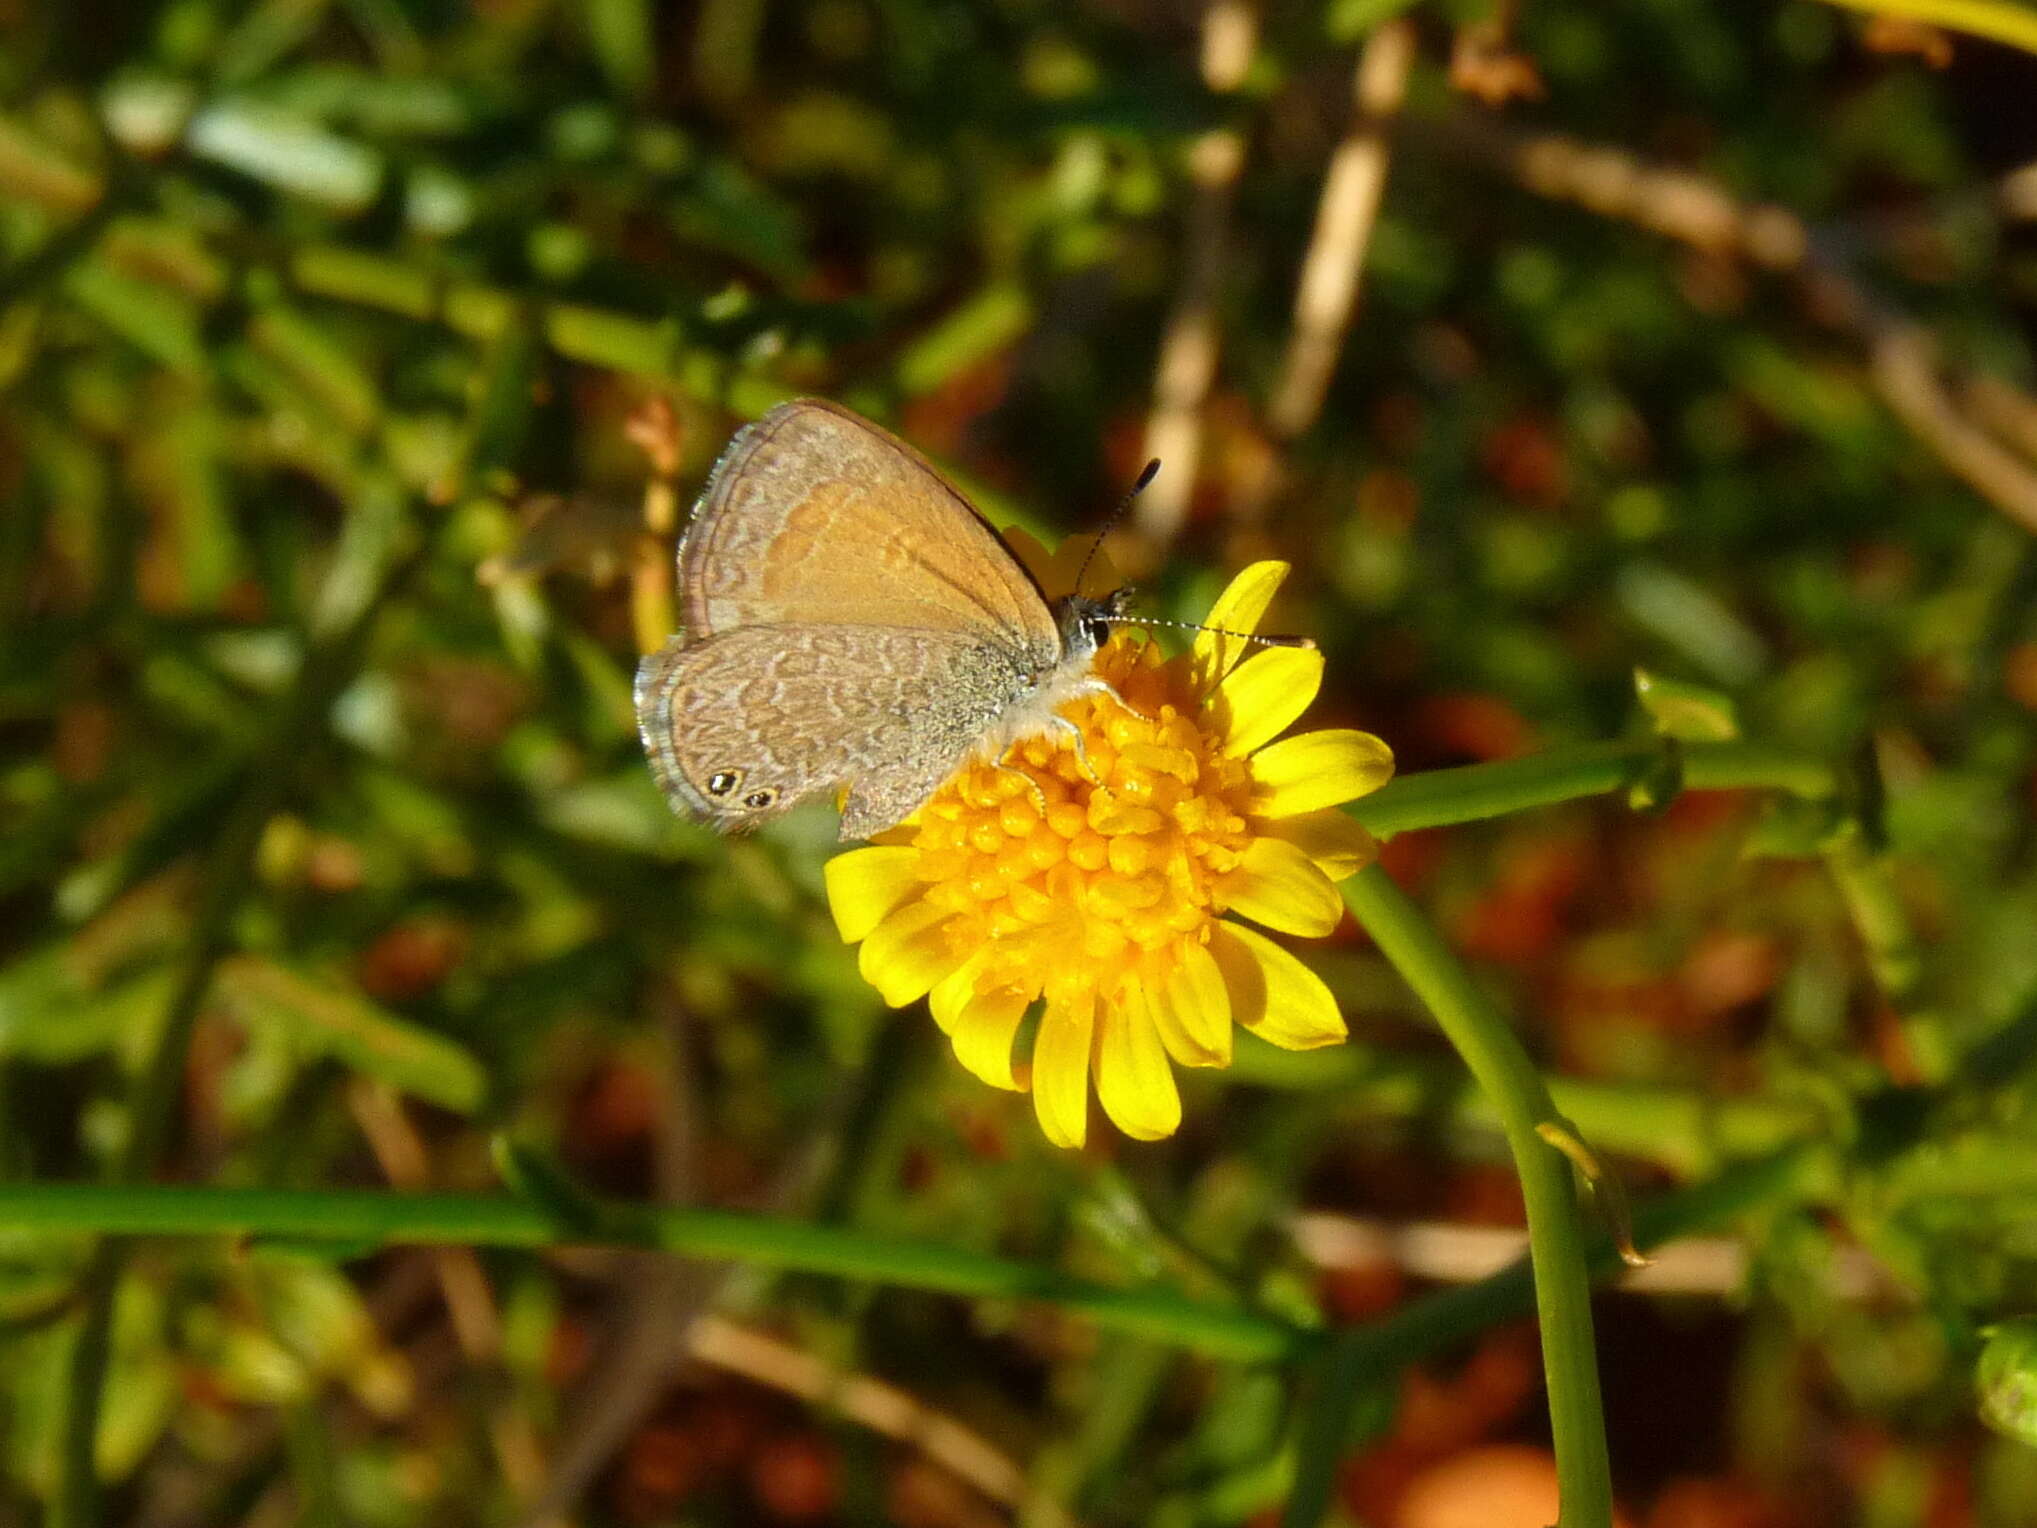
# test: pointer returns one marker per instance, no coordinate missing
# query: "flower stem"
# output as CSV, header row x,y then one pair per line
x,y
1556,1243
1439,797
347,1218
1424,1328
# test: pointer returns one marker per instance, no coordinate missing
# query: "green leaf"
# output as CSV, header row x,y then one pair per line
x,y
981,327
1793,829
1349,20
1690,713
536,1175
330,1020
2006,1379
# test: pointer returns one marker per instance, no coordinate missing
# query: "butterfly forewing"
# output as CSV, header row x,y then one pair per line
x,y
816,515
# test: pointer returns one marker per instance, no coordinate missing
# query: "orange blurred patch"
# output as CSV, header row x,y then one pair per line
x,y
620,1103
567,1352
2019,675
1524,456
84,741
1717,1502
1891,1046
1725,970
1506,1485
939,422
333,864
410,959
1410,857
1521,916
796,1477
1485,1195
1907,37
1474,727
1358,1291
1388,500
661,1466
1438,1416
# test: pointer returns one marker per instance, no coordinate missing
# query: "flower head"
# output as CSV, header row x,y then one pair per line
x,y
1100,873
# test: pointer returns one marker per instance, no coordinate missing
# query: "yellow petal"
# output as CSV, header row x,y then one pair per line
x,y
1191,1009
1133,1080
1278,885
1237,610
955,991
866,885
1273,994
1336,841
1061,1068
983,1031
1261,697
907,953
1317,769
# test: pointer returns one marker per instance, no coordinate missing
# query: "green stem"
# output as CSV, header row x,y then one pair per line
x,y
1429,1327
1555,1240
347,1217
1433,1325
1437,798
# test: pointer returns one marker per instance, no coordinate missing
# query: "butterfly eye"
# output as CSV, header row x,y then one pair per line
x,y
723,781
756,801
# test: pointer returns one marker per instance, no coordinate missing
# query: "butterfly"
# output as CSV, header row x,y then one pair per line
x,y
850,623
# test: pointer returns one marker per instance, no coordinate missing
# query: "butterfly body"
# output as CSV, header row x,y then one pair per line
x,y
850,621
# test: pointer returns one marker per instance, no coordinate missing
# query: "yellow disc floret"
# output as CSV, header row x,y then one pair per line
x,y
1097,869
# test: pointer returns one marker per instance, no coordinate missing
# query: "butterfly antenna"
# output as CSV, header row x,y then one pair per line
x,y
1152,470
1255,638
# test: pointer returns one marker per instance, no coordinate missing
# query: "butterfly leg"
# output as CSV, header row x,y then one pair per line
x,y
1093,685
1074,734
1032,785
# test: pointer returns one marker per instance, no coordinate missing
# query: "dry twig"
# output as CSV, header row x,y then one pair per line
x,y
1980,430
1327,293
1188,350
477,1325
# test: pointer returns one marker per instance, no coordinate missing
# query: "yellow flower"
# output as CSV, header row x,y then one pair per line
x,y
1101,881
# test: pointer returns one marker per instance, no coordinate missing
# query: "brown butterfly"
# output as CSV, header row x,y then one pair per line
x,y
851,621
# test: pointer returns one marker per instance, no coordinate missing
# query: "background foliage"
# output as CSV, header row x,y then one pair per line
x,y
327,850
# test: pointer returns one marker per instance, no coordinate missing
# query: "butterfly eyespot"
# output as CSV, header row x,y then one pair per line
x,y
756,801
722,781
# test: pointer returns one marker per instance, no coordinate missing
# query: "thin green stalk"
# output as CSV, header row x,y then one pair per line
x,y
1432,1326
350,1217
1556,1243
1438,798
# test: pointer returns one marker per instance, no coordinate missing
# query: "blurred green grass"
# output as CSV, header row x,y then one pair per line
x,y
304,305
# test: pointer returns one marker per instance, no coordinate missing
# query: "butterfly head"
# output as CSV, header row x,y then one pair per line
x,y
1085,623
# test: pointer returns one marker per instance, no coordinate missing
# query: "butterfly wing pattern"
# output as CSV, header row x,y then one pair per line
x,y
850,621
813,514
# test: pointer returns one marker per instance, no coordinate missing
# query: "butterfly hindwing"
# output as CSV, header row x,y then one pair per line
x,y
743,725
